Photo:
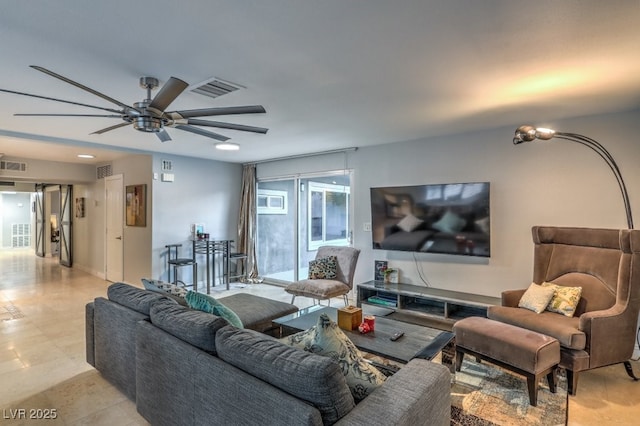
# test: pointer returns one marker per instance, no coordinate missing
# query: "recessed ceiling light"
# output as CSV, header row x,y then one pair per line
x,y
227,146
86,156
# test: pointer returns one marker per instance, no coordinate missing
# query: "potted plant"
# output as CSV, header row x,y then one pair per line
x,y
390,275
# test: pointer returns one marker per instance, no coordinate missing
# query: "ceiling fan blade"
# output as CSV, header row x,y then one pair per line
x,y
163,136
201,132
207,112
169,92
60,100
68,115
108,129
231,126
80,86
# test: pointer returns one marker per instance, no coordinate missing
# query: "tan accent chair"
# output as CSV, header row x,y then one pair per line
x,y
326,289
606,264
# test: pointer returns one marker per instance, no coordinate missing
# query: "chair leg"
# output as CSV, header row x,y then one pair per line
x,y
346,300
195,277
572,382
629,368
293,298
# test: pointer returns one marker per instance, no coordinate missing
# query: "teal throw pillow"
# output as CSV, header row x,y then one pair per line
x,y
205,303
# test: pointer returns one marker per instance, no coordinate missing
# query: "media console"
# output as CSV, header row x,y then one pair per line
x,y
446,305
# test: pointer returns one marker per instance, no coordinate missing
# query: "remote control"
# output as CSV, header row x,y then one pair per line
x,y
395,336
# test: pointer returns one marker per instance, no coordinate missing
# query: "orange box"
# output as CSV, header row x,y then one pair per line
x,y
349,317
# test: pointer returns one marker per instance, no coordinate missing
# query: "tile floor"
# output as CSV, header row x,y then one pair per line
x,y
42,354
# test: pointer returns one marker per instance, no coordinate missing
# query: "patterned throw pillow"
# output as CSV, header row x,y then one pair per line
x,y
324,268
565,299
536,298
164,287
205,303
327,339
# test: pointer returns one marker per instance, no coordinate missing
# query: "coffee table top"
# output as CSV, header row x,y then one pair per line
x,y
418,341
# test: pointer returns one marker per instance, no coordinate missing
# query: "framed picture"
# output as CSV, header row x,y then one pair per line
x,y
380,267
136,209
80,207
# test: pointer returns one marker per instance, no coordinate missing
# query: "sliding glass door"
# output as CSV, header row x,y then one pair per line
x,y
298,215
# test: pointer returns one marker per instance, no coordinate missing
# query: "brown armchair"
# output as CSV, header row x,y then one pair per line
x,y
606,264
327,288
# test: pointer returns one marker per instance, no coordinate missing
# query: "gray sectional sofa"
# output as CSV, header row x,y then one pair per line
x,y
186,367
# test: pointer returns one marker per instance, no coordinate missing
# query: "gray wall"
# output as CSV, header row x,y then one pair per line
x,y
204,191
543,183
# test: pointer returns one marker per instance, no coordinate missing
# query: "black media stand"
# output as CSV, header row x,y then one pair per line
x,y
446,305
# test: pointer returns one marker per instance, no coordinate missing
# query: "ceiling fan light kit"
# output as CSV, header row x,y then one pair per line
x,y
150,115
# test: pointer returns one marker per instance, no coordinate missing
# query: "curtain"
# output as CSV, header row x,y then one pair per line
x,y
247,222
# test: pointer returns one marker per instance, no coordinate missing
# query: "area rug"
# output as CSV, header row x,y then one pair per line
x,y
484,394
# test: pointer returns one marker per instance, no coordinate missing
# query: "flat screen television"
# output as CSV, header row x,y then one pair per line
x,y
450,218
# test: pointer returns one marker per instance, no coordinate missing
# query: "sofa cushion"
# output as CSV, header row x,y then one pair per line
x,y
324,268
563,328
312,378
536,298
564,300
132,297
328,340
205,303
195,327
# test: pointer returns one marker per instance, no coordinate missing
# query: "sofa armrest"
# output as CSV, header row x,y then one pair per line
x,y
417,394
89,334
511,298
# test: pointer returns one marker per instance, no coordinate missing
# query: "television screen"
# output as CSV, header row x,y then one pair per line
x,y
448,218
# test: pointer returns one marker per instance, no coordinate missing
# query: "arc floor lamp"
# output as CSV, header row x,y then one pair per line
x,y
530,133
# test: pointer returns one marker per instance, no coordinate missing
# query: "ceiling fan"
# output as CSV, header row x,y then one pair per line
x,y
149,115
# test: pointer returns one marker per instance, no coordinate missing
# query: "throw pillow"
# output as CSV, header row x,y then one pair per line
x,y
536,298
327,339
450,223
163,287
409,223
565,299
324,268
205,303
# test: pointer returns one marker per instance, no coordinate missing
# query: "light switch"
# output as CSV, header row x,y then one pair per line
x,y
167,177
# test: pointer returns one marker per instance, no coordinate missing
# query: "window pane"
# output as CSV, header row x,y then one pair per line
x,y
316,216
336,221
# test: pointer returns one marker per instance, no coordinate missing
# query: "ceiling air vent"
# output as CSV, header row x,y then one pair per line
x,y
14,166
216,87
103,171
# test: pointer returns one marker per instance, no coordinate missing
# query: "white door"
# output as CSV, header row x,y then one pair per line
x,y
114,216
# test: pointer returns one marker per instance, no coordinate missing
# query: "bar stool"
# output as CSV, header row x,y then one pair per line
x,y
174,261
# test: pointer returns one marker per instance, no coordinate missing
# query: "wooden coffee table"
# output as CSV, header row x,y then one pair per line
x,y
418,341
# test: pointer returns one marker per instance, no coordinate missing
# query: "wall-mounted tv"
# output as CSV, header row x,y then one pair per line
x,y
450,218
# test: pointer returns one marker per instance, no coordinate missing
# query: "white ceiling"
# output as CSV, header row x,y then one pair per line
x,y
330,74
